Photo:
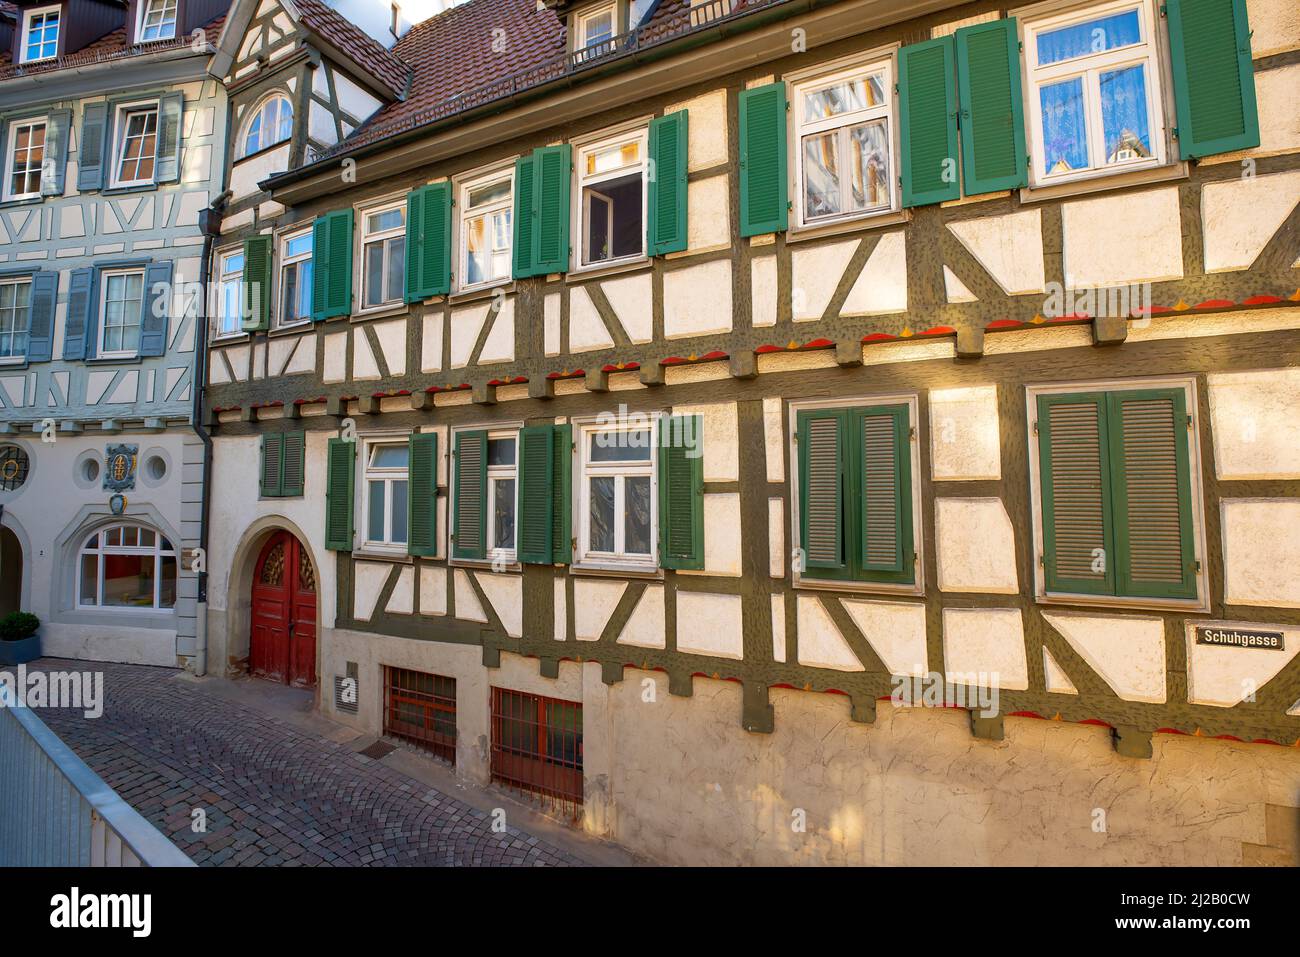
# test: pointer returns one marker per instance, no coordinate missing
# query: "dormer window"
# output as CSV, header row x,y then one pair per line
x,y
595,31
272,123
157,20
40,34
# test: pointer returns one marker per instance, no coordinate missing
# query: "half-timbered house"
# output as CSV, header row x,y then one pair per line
x,y
653,406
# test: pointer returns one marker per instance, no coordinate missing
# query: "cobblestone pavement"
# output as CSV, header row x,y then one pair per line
x,y
273,794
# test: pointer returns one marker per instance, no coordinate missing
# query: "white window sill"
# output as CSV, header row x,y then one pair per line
x,y
302,326
12,360
859,587
879,220
21,197
486,565
381,312
600,270
1104,181
374,554
614,569
1183,605
481,291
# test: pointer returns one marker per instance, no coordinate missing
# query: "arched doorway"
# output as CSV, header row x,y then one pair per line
x,y
283,643
11,572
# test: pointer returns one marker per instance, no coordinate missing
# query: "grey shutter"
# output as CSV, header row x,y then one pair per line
x,y
81,290
171,110
90,148
155,308
40,330
57,126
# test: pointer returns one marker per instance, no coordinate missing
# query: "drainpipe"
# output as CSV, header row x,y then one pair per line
x,y
210,225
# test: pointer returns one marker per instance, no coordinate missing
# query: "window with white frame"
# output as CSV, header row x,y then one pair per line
x,y
502,492
617,502
230,293
295,278
595,32
157,20
1094,91
843,157
40,34
126,566
270,124
386,475
15,317
25,155
611,199
119,325
486,237
383,255
137,148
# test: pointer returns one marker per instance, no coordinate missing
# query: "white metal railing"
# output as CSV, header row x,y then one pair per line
x,y
56,812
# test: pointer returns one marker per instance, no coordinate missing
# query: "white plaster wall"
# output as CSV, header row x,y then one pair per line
x,y
964,443
1225,676
1131,237
1261,552
1127,652
986,645
697,300
1256,430
976,546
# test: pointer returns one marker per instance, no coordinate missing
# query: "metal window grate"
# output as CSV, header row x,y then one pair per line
x,y
421,708
537,748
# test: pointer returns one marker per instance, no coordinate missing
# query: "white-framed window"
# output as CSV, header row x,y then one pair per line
x,y
25,155
844,143
502,494
486,228
40,34
230,292
121,297
271,123
595,30
295,278
611,199
618,494
383,255
1094,91
157,20
126,566
137,147
386,466
15,317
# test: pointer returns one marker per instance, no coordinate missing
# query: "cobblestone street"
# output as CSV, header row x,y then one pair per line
x,y
273,793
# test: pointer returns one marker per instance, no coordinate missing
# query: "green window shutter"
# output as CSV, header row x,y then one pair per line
x,y
764,204
1074,465
992,110
1214,79
422,482
293,465
332,265
338,495
561,495
90,147
428,242
884,491
257,283
1151,488
272,464
681,492
552,169
928,112
666,225
822,437
524,212
469,508
536,495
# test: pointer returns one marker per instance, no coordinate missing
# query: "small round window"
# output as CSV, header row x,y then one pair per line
x,y
13,467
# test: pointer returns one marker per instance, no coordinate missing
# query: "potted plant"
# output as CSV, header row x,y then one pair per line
x,y
19,639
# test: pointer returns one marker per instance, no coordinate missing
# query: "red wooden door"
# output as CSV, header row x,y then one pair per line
x,y
283,644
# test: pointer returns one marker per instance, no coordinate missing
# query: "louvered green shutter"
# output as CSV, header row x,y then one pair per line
x,y
524,212
257,283
428,242
822,438
552,169
536,495
469,508
992,110
1214,79
884,493
293,464
1151,489
681,492
561,494
272,462
763,188
422,513
928,110
332,265
666,200
338,495
1074,462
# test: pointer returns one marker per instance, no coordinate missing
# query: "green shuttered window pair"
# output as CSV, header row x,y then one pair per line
x,y
1116,494
422,489
428,242
85,291
855,494
283,468
541,213
100,140
331,293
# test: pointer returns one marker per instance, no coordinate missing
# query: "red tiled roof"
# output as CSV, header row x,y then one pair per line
x,y
111,46
364,49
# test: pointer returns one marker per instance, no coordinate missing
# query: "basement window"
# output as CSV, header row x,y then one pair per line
x,y
537,747
421,708
612,194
